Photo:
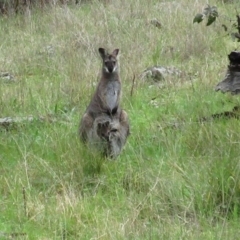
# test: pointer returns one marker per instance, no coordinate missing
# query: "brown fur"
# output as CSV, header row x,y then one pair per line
x,y
104,122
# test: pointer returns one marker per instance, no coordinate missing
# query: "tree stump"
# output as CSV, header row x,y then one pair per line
x,y
231,82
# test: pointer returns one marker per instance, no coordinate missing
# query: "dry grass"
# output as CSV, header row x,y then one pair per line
x,y
176,178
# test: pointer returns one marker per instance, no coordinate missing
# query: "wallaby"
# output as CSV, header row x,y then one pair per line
x,y
107,95
104,119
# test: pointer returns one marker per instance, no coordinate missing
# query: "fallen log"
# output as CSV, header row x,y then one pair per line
x,y
7,122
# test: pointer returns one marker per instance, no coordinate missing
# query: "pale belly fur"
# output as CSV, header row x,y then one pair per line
x,y
111,95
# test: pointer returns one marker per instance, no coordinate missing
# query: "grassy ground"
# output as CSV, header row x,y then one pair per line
x,y
177,178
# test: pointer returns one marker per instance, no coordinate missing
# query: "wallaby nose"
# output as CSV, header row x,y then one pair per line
x,y
110,69
110,66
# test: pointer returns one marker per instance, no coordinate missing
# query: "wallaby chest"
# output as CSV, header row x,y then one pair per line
x,y
111,94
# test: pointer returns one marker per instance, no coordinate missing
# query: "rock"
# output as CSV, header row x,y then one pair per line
x,y
6,77
48,50
159,73
156,23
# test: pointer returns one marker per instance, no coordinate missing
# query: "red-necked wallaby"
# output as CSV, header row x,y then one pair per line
x,y
104,122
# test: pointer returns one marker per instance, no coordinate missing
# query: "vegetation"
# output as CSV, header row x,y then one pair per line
x,y
210,13
177,178
20,6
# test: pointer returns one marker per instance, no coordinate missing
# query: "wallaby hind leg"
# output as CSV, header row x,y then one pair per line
x,y
115,144
85,128
119,131
124,124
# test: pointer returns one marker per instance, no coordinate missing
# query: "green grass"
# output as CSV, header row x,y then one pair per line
x,y
177,177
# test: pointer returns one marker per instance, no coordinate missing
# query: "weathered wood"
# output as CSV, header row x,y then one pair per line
x,y
231,81
8,122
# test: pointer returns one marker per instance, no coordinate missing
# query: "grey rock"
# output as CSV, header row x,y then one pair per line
x,y
6,77
159,73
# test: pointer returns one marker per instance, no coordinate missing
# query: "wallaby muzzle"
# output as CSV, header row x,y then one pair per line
x,y
110,66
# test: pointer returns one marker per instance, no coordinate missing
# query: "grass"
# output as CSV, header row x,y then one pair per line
x,y
177,178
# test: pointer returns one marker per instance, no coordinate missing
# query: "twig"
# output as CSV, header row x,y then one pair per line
x,y
24,201
133,83
192,84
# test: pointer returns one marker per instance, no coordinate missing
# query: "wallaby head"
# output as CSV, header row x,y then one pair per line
x,y
110,63
103,129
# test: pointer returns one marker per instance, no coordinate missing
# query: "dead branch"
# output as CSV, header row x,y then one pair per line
x,y
133,83
6,122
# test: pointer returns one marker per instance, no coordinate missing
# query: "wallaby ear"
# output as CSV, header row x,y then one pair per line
x,y
102,52
115,52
